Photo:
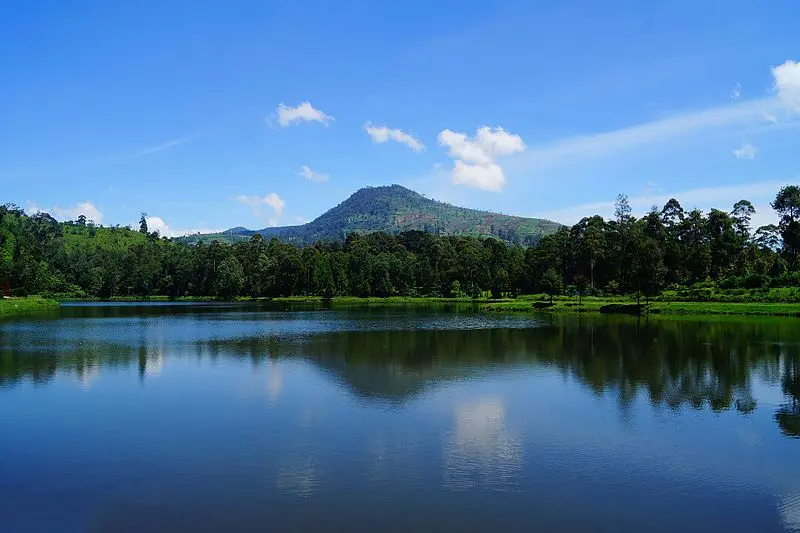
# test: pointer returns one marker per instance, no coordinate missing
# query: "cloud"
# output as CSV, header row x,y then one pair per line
x,y
383,134
662,130
736,93
489,177
740,114
166,145
475,163
747,151
304,112
158,224
787,83
310,175
257,202
160,147
722,197
87,209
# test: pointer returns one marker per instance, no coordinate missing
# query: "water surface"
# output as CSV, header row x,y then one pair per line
x,y
212,417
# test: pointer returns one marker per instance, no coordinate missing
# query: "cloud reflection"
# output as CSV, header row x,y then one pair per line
x,y
789,508
297,477
480,450
274,382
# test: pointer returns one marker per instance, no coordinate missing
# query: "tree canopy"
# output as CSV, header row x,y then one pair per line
x,y
666,247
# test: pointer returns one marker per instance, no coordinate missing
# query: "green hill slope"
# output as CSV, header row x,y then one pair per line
x,y
393,209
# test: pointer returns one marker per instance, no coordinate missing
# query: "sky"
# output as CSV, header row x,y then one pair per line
x,y
209,115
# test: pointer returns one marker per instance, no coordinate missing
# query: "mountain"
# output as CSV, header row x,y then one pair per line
x,y
393,209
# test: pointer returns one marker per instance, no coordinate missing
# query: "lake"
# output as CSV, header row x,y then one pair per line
x,y
213,417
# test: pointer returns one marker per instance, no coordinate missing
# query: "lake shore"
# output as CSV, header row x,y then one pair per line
x,y
24,306
389,300
671,308
523,304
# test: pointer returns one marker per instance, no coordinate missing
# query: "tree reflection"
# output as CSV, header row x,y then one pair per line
x,y
674,364
788,415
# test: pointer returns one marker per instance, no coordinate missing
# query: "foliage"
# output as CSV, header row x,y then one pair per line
x,y
697,257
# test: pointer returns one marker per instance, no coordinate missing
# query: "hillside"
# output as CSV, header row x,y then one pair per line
x,y
393,209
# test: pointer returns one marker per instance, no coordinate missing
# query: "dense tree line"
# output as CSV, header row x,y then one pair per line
x,y
666,247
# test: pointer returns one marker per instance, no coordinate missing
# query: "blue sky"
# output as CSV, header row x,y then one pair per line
x,y
220,114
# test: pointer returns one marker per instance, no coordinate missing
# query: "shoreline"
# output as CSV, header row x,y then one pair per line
x,y
524,304
10,307
653,308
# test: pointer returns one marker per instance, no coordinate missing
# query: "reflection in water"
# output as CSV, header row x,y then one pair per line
x,y
87,375
709,364
274,381
789,508
297,476
480,451
397,421
788,415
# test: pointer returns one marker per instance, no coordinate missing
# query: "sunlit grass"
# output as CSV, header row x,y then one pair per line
x,y
19,306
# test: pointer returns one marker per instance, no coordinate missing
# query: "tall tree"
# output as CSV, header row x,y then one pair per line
x,y
787,204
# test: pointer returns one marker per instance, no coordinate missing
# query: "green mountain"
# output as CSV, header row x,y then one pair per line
x,y
394,209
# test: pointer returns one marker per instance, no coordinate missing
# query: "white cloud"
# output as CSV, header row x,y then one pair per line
x,y
736,93
160,147
489,177
662,130
310,175
257,202
722,197
739,115
87,209
476,163
747,151
166,145
158,224
787,83
383,134
304,112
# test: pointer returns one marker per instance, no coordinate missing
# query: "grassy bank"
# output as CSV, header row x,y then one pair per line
x,y
375,301
522,304
23,306
593,305
156,298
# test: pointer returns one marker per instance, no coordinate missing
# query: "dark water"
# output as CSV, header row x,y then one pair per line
x,y
225,418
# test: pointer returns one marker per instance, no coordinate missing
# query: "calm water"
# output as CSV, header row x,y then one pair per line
x,y
229,418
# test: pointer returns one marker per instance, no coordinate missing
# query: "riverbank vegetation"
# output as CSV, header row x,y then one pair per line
x,y
669,254
21,306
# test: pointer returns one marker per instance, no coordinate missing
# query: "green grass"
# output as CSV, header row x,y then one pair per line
x,y
561,304
154,298
593,305
376,301
22,306
727,308
783,295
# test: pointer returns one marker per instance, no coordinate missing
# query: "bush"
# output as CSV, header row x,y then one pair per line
x,y
754,281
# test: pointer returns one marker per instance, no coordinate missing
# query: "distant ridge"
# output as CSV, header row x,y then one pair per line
x,y
394,209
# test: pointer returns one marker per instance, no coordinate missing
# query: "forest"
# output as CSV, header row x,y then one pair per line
x,y
669,247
